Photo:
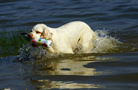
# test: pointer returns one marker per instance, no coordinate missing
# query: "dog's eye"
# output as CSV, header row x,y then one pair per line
x,y
38,32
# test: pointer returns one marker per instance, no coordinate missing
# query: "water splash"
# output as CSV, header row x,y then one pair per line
x,y
29,53
103,43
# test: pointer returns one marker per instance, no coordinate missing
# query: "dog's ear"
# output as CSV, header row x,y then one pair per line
x,y
46,34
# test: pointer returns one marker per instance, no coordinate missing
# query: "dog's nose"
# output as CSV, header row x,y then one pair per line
x,y
30,35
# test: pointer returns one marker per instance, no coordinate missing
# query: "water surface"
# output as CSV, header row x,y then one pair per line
x,y
112,64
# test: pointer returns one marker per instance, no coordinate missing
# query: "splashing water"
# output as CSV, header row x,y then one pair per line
x,y
29,53
104,43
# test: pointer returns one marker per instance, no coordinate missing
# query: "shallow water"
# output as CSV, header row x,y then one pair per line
x,y
112,63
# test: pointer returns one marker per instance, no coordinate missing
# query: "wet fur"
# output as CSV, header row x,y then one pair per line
x,y
67,37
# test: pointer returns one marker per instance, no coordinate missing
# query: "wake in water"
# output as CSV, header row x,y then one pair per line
x,y
103,43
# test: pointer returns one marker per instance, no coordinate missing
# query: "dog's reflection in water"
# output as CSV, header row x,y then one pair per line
x,y
64,67
59,69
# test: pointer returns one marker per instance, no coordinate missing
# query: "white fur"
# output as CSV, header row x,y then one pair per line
x,y
66,38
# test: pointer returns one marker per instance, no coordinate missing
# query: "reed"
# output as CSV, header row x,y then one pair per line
x,y
11,42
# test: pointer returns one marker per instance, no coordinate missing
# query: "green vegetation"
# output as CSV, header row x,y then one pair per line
x,y
11,42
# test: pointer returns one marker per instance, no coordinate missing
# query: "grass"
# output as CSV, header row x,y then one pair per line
x,y
11,42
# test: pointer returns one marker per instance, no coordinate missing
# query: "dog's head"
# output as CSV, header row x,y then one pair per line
x,y
40,31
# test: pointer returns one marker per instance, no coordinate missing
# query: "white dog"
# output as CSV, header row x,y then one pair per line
x,y
65,38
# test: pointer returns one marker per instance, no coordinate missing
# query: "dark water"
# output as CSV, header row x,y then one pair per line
x,y
103,69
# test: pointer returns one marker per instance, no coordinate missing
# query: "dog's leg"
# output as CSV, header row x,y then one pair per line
x,y
86,47
86,41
